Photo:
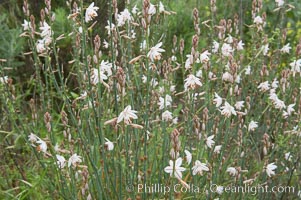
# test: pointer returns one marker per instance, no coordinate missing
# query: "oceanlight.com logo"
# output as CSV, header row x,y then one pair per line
x,y
214,188
253,190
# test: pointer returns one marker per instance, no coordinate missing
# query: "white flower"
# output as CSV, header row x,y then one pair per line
x,y
188,156
270,169
172,88
215,47
209,141
155,52
191,82
240,46
41,48
227,110
4,79
252,125
105,66
127,114
258,20
232,171
43,146
276,101
144,79
264,86
226,50
135,10
204,57
110,27
296,64
123,17
227,77
46,30
97,76
166,116
175,120
188,61
151,10
248,70
288,156
61,161
217,100
290,109
109,145
239,105
105,44
265,49
286,48
161,7
74,160
32,138
219,189
164,102
275,84
199,73
279,3
91,12
175,169
143,45
217,149
199,167
229,39
26,25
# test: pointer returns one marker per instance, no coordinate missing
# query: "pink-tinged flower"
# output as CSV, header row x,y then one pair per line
x,y
123,17
97,76
61,161
270,169
278,104
217,100
199,168
126,115
151,10
188,62
166,116
74,160
33,138
155,52
264,86
227,50
204,57
192,82
228,110
46,30
258,20
175,168
91,12
227,77
239,105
